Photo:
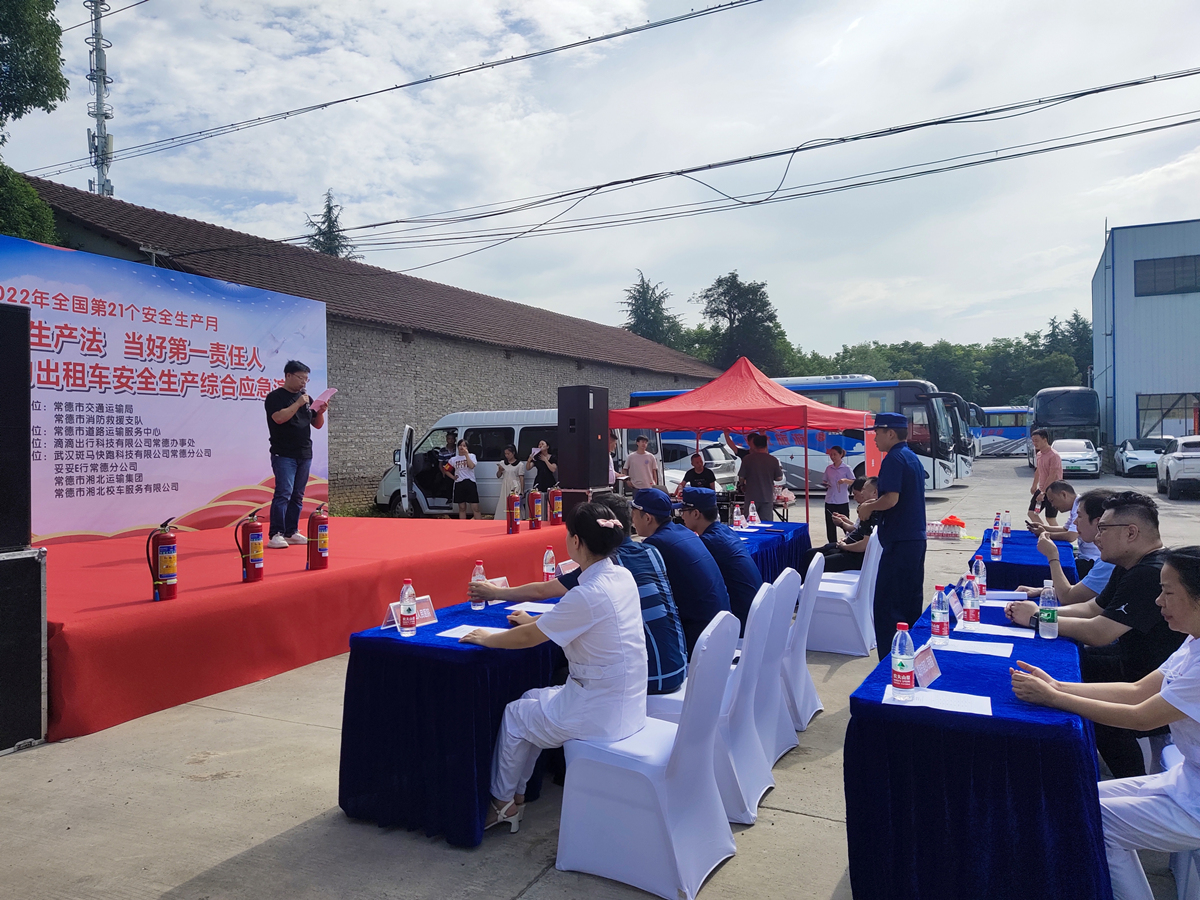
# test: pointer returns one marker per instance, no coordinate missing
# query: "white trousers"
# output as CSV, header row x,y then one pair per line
x,y
524,733
1137,821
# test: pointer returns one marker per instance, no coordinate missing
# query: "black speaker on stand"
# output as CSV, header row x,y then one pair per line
x,y
22,570
582,442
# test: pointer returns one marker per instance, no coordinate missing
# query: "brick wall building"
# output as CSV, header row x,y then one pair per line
x,y
400,350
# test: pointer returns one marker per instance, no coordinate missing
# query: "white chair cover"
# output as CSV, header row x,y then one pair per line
x,y
775,730
799,692
742,768
646,811
1185,864
843,619
873,548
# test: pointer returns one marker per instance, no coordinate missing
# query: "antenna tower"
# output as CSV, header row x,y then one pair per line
x,y
100,142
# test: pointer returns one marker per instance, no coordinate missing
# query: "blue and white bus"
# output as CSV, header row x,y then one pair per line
x,y
1005,430
930,430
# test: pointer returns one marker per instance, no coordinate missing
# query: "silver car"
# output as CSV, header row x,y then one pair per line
x,y
1079,457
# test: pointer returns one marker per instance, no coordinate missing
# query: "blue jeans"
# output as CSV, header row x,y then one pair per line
x,y
291,477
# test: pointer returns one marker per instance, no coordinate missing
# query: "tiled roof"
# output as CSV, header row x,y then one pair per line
x,y
357,291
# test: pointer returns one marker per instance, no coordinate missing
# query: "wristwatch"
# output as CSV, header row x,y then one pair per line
x,y
1033,620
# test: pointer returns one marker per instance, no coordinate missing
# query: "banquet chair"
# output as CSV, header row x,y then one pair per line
x,y
843,619
799,692
742,768
872,553
1185,864
646,810
771,715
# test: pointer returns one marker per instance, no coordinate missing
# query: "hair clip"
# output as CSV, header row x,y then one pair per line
x,y
609,523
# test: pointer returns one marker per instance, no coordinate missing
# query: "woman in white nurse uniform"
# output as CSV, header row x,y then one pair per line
x,y
599,627
1150,812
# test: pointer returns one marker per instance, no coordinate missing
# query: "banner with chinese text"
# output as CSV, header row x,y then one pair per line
x,y
148,387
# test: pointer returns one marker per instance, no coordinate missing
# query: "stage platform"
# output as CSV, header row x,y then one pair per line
x,y
115,655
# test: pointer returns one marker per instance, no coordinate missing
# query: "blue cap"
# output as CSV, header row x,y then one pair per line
x,y
654,502
889,420
699,498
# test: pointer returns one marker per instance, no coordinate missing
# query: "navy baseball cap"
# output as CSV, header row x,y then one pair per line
x,y
889,420
654,502
699,498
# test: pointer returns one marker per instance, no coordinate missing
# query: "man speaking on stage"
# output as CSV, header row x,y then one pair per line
x,y
290,418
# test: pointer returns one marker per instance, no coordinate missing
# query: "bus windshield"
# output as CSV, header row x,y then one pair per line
x,y
1077,407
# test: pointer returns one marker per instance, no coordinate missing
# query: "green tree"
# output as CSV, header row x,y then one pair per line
x,y
646,313
742,322
23,213
30,63
325,233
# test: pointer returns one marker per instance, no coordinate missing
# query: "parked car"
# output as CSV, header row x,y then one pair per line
x,y
1079,457
1179,467
1139,456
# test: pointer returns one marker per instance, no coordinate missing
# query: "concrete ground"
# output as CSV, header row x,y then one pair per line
x,y
235,795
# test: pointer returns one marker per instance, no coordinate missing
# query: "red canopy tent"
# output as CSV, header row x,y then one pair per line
x,y
742,399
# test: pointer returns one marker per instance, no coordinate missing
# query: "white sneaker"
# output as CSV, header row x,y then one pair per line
x,y
277,542
296,538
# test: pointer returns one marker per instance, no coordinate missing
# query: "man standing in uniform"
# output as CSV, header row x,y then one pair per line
x,y
289,417
900,583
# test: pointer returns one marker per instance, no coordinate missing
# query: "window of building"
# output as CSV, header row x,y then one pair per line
x,y
1171,275
1160,415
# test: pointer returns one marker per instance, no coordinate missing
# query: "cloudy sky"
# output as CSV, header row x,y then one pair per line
x,y
968,255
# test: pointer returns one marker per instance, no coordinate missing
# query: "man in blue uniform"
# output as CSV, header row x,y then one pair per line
x,y
900,584
742,578
696,582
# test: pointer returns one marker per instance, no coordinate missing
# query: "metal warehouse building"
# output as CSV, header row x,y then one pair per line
x,y
1146,331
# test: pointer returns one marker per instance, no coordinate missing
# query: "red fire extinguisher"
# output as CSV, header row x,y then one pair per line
x,y
248,536
555,500
162,557
535,509
318,539
512,506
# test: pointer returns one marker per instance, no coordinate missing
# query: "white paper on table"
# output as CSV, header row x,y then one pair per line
x,y
987,648
531,606
464,630
951,701
999,630
1007,596
1001,603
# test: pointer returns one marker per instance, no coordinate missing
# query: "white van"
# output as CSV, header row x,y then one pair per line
x,y
414,486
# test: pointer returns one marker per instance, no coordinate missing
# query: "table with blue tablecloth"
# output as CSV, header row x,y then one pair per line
x,y
953,805
1021,563
775,546
420,719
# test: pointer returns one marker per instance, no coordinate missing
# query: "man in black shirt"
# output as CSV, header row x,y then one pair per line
x,y
847,554
1124,612
290,417
697,476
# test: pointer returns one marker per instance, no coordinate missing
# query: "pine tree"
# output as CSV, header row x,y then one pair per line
x,y
325,232
646,313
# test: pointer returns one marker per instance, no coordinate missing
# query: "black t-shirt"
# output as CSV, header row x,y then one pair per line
x,y
293,438
544,479
863,530
1128,599
702,479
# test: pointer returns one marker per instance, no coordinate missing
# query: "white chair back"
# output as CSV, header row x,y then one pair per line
x,y
770,709
707,677
739,695
864,597
799,692
798,637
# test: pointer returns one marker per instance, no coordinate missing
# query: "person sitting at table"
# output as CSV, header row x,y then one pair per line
x,y
738,568
696,581
666,652
1062,497
847,554
1087,512
1124,612
1151,812
697,476
598,624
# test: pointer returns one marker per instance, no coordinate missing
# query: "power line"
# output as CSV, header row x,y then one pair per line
x,y
105,16
193,137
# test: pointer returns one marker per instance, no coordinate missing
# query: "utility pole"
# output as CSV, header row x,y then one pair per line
x,y
100,142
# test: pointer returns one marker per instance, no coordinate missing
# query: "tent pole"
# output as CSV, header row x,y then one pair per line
x,y
806,521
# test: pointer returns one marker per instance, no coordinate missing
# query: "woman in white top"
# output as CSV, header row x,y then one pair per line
x,y
1149,812
466,490
598,624
511,473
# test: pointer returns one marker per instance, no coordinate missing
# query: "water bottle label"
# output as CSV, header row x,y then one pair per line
x,y
970,613
941,627
902,674
1049,616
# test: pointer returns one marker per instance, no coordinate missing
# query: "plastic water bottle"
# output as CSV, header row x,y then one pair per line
x,y
970,602
548,564
1048,612
903,673
1006,524
737,516
939,617
477,575
754,520
996,546
408,609
979,570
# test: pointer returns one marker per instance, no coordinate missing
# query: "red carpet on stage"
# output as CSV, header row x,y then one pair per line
x,y
115,655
